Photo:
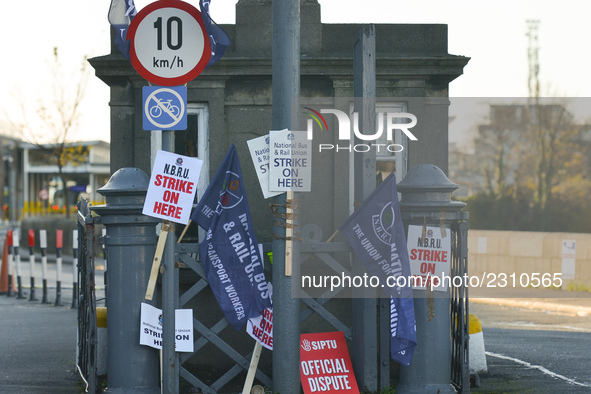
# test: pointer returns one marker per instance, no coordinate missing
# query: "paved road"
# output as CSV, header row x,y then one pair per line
x,y
37,348
38,342
532,351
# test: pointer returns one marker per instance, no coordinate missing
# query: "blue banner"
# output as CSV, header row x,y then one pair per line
x,y
121,14
376,234
229,252
218,39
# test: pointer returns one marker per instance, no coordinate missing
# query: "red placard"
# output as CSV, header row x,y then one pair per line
x,y
325,365
169,43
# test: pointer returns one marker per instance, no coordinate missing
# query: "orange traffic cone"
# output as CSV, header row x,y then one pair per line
x,y
4,271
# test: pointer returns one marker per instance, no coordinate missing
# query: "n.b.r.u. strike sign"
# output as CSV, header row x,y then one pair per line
x,y
172,187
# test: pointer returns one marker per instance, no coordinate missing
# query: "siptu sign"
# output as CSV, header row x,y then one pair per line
x,y
169,43
325,365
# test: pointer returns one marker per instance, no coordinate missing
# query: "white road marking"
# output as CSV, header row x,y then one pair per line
x,y
538,367
546,326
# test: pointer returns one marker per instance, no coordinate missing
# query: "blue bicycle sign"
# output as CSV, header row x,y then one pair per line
x,y
165,108
159,108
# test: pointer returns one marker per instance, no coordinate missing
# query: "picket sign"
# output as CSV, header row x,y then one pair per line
x,y
263,323
170,195
325,364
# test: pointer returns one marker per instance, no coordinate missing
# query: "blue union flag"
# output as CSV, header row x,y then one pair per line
x,y
229,252
218,39
121,14
376,234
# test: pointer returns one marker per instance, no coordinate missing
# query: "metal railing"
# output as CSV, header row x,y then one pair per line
x,y
86,360
460,370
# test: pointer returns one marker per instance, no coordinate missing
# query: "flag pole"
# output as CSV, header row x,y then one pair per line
x,y
252,369
332,236
184,231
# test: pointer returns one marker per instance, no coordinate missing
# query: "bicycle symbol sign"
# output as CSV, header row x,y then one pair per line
x,y
165,107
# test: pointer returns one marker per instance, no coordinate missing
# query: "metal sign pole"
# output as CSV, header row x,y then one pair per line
x,y
286,93
365,338
170,380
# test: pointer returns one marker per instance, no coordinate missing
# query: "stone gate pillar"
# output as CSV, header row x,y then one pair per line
x,y
426,200
130,243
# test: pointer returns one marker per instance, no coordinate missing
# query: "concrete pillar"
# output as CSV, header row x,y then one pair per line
x,y
426,199
130,243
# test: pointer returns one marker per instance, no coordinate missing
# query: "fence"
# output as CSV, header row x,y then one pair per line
x,y
86,355
460,370
217,344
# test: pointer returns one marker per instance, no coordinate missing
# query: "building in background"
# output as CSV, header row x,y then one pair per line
x,y
230,102
30,178
43,190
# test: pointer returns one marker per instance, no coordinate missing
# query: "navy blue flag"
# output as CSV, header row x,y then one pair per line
x,y
230,252
121,14
218,39
376,234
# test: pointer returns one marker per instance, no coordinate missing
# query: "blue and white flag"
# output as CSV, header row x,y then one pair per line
x,y
229,252
121,14
376,234
218,39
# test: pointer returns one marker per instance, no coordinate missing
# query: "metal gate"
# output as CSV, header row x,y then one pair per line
x,y
460,370
210,334
86,360
208,331
319,312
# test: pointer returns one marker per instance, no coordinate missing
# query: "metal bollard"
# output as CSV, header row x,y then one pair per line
x,y
32,264
59,242
74,269
426,200
17,256
130,243
43,246
10,262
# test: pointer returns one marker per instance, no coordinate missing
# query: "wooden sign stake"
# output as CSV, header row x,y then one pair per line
x,y
252,369
289,234
166,227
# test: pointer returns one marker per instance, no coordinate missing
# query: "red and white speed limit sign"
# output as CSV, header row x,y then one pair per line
x,y
169,43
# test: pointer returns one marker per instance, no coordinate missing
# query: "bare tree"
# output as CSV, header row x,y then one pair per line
x,y
55,118
553,140
498,149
